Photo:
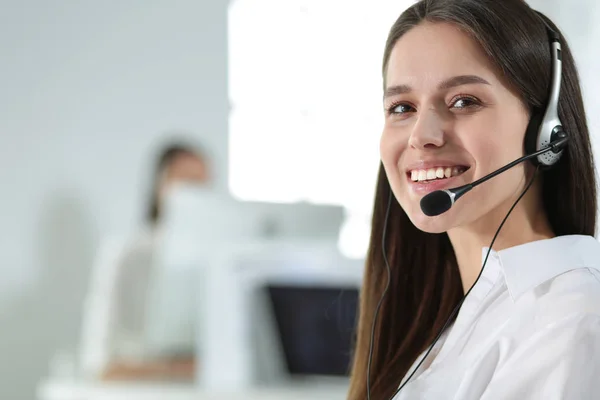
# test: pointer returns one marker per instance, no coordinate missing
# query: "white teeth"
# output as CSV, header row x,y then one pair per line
x,y
433,173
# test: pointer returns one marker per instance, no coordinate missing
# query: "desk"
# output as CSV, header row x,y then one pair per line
x,y
57,390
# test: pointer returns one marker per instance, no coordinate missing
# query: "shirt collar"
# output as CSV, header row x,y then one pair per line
x,y
531,264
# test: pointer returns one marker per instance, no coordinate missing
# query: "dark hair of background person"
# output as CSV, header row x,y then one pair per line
x,y
164,159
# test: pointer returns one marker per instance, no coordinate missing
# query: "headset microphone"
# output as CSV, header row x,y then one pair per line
x,y
440,201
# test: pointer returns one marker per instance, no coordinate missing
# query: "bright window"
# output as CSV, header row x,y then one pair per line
x,y
306,92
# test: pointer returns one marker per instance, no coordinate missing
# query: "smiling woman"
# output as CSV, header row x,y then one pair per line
x,y
453,117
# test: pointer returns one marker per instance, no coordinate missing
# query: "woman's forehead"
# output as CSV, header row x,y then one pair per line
x,y
431,53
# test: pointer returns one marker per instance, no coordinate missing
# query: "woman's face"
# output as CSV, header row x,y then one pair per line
x,y
186,169
449,120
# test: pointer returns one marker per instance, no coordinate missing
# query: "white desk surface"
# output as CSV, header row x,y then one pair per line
x,y
57,390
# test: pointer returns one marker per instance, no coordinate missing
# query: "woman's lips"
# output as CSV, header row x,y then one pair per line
x,y
428,186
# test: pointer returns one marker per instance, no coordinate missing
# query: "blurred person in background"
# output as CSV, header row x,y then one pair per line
x,y
115,344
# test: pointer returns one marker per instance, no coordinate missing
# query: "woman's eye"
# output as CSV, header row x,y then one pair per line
x,y
400,109
465,102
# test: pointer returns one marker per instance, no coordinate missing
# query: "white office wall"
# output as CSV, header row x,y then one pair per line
x,y
86,89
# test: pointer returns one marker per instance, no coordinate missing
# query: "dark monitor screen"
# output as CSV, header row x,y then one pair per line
x,y
316,327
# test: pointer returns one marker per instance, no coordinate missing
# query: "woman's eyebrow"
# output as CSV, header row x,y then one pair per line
x,y
444,85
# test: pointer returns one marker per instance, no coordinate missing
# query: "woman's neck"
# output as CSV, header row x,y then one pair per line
x,y
527,223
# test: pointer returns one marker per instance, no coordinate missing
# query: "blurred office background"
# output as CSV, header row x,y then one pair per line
x,y
283,95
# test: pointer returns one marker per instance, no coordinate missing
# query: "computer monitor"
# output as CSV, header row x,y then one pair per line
x,y
247,336
316,326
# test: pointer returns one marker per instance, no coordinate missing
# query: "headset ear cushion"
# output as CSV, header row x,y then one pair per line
x,y
531,134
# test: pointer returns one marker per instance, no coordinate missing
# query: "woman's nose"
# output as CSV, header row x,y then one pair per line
x,y
427,131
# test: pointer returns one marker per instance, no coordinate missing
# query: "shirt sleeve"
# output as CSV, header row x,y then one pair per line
x,y
560,362
97,320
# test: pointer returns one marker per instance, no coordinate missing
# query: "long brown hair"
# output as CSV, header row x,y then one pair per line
x,y
425,284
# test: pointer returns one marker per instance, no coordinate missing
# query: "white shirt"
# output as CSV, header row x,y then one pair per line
x,y
529,329
126,316
115,305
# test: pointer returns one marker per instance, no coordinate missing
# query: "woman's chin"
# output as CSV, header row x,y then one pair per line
x,y
438,224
